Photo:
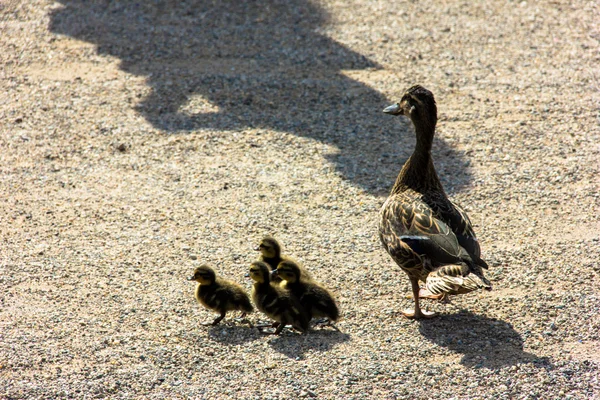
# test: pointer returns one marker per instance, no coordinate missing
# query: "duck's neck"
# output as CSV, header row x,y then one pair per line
x,y
418,173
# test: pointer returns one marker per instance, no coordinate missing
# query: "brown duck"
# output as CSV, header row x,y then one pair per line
x,y
427,235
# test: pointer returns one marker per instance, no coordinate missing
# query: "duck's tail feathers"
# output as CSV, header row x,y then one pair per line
x,y
451,279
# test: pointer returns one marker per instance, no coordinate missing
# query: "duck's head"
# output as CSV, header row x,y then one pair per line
x,y
269,247
204,275
418,104
288,271
260,272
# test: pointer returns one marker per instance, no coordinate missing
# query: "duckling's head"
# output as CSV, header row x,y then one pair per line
x,y
204,275
260,272
269,247
288,271
418,104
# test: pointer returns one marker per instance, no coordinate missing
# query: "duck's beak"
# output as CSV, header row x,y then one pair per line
x,y
257,248
274,273
394,109
191,278
247,275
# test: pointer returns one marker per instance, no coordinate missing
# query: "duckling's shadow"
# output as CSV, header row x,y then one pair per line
x,y
233,334
295,345
483,342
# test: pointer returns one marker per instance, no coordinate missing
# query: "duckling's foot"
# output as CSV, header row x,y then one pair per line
x,y
218,319
273,325
245,321
421,314
325,322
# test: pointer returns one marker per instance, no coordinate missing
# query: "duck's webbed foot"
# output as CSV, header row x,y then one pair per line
x,y
219,318
325,322
419,314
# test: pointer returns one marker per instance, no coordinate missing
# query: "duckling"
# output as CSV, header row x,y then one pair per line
x,y
317,300
219,294
427,235
270,250
276,302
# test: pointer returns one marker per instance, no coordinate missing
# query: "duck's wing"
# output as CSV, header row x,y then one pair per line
x,y
462,227
411,226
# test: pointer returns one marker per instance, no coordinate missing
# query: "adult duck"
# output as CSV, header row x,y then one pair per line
x,y
427,235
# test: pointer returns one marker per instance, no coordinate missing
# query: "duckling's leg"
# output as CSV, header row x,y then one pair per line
x,y
417,313
279,329
244,319
219,318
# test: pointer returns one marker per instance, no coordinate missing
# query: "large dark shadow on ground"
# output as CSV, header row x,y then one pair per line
x,y
261,64
483,342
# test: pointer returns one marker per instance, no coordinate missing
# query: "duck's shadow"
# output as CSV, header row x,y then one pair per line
x,y
484,342
233,334
295,346
234,65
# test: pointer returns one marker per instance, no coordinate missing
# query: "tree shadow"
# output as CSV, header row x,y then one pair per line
x,y
483,342
234,65
294,345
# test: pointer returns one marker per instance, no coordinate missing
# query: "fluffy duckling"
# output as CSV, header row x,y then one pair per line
x,y
276,302
318,301
219,294
270,253
427,235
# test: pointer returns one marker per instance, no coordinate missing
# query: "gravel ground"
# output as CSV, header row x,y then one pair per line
x,y
140,139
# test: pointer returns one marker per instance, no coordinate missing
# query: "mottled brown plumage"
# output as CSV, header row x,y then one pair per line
x,y
428,236
219,294
318,301
277,303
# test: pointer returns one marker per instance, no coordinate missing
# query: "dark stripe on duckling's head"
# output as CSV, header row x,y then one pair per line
x,y
260,272
289,271
204,275
269,247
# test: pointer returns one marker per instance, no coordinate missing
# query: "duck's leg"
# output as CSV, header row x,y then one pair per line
x,y
279,328
219,318
417,313
245,319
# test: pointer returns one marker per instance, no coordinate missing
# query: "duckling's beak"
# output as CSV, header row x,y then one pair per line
x,y
394,109
191,278
274,273
257,248
247,275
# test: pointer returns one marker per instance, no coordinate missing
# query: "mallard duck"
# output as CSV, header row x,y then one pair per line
x,y
270,253
315,299
219,294
428,236
276,302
